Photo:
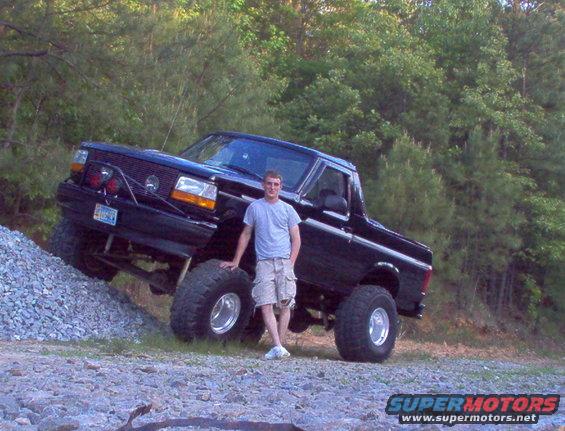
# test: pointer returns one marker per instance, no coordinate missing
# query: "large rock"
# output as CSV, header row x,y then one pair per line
x,y
9,407
57,424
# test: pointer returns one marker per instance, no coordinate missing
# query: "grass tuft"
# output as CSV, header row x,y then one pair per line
x,y
169,343
160,343
410,356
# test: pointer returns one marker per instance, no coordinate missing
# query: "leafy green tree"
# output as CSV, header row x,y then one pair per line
x,y
149,74
453,111
329,116
410,197
190,76
471,50
381,84
535,39
37,58
487,190
294,39
539,265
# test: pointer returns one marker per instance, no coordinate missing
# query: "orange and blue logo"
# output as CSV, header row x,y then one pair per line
x,y
452,409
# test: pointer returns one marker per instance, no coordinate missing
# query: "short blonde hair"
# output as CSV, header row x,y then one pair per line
x,y
272,174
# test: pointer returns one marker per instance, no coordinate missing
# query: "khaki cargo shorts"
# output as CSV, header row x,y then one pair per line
x,y
275,283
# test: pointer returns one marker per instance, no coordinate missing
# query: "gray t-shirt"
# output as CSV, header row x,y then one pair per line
x,y
272,223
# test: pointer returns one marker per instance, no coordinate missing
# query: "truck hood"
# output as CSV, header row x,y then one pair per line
x,y
219,174
165,159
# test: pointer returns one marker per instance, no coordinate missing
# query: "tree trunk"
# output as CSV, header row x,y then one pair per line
x,y
17,203
509,285
491,291
502,292
13,122
300,30
524,71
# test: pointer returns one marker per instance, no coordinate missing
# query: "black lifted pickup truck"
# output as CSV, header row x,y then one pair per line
x,y
182,215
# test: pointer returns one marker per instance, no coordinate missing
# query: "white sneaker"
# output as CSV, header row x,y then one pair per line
x,y
274,353
284,353
277,352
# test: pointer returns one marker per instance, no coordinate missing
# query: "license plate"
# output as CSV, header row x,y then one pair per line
x,y
105,214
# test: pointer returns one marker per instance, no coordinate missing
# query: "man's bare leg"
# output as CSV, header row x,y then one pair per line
x,y
271,322
284,318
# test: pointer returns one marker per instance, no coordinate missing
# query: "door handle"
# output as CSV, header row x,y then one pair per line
x,y
347,229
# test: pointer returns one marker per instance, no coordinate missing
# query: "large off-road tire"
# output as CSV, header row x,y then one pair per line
x,y
75,244
212,303
299,320
366,325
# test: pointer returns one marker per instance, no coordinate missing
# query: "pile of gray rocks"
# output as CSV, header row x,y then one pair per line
x,y
43,298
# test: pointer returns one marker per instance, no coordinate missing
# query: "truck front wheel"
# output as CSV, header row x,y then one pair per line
x,y
212,303
75,244
366,325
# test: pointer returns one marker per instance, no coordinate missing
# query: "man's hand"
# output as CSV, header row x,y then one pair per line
x,y
241,246
231,265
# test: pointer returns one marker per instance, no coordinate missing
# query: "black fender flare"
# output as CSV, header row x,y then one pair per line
x,y
384,274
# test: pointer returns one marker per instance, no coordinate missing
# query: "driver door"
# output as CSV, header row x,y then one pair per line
x,y
326,235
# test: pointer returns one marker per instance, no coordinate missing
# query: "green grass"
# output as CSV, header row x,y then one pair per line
x,y
157,343
172,344
521,373
150,345
68,353
536,371
454,335
311,352
409,380
379,378
410,356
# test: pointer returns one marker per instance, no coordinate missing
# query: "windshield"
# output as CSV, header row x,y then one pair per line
x,y
251,158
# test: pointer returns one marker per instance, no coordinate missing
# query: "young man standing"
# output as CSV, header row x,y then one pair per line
x,y
277,243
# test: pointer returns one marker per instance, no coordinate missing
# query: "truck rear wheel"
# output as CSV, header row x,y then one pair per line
x,y
212,303
366,325
299,320
75,244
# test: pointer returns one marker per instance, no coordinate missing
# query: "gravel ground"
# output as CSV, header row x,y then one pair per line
x,y
47,387
42,298
62,387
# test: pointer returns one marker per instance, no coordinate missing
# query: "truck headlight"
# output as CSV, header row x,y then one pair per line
x,y
195,192
79,160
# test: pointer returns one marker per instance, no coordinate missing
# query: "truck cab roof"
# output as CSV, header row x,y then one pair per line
x,y
290,145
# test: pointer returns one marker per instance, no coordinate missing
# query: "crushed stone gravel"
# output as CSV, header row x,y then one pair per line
x,y
42,298
66,386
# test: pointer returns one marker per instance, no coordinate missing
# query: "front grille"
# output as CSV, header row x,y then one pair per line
x,y
139,170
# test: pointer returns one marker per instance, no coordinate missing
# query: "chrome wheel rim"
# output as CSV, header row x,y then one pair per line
x,y
225,313
379,325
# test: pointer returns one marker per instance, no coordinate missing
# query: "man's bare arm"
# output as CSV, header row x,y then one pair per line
x,y
294,243
241,246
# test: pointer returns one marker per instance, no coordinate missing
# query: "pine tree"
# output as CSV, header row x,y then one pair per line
x,y
409,196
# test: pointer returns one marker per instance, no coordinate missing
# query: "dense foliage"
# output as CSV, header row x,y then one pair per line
x,y
453,110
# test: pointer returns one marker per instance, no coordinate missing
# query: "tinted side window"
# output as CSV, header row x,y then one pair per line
x,y
331,182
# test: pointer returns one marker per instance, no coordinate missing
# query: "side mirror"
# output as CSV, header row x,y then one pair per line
x,y
335,203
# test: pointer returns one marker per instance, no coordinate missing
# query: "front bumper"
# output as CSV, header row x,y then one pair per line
x,y
139,223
